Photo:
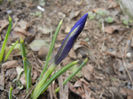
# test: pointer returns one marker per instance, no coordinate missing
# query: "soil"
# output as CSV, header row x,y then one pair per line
x,y
108,46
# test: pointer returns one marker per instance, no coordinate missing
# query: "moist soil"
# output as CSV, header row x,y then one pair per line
x,y
108,46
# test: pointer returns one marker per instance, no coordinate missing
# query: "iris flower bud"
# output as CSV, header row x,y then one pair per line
x,y
69,40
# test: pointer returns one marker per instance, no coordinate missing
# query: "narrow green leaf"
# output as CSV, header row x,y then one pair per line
x,y
28,75
44,86
43,81
5,40
73,74
22,47
10,92
51,48
10,50
27,65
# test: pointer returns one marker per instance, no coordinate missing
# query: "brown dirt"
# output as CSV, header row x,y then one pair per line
x,y
110,65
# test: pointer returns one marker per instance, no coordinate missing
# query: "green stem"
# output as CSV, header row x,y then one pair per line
x,y
10,92
43,87
27,65
73,74
51,48
43,81
10,50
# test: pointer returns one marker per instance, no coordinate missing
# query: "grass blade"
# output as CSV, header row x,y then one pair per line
x,y
27,65
44,87
43,81
5,40
10,92
51,48
10,50
73,74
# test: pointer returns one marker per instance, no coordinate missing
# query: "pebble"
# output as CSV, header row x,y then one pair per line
x,y
42,53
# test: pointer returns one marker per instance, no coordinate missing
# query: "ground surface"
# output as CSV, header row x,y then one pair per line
x,y
108,46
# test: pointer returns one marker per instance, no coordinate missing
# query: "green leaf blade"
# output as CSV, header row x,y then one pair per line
x,y
73,74
44,87
5,40
51,48
27,65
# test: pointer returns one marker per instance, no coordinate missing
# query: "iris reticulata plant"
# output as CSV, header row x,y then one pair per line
x,y
46,78
70,39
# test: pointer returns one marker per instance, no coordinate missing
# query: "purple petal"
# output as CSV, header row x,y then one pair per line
x,y
69,40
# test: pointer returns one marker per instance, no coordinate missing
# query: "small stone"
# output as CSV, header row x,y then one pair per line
x,y
42,53
37,44
129,55
9,11
40,8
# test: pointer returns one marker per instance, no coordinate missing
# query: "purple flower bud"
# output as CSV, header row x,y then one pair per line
x,y
69,40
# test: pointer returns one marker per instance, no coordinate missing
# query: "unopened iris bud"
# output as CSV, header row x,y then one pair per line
x,y
69,40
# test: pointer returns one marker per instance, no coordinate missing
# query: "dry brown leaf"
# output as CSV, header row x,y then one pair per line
x,y
34,76
87,92
88,71
3,24
84,35
18,32
82,52
76,46
22,79
81,89
84,43
66,61
61,37
74,14
10,74
112,4
10,64
78,90
57,45
45,29
63,91
2,78
72,54
78,84
97,9
114,54
127,92
20,29
23,24
111,29
99,76
131,45
67,29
